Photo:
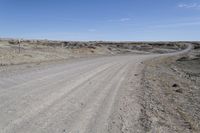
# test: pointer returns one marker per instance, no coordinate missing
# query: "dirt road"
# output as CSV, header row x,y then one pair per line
x,y
75,97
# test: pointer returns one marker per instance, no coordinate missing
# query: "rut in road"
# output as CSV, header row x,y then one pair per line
x,y
71,97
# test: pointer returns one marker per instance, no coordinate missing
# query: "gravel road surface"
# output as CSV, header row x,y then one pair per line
x,y
72,97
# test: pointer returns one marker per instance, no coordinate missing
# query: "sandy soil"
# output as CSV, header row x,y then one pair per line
x,y
37,53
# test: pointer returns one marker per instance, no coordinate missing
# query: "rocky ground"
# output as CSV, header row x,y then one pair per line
x,y
118,87
171,94
31,51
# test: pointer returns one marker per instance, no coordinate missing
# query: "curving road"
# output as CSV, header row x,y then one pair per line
x,y
74,97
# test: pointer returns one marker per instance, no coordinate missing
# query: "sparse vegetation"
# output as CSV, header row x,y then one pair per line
x,y
46,50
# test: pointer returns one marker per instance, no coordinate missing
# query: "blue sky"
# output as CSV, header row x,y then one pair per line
x,y
118,20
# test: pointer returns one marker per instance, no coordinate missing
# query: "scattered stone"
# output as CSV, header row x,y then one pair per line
x,y
179,90
175,85
183,59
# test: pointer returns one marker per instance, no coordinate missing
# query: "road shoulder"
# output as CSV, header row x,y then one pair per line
x,y
170,94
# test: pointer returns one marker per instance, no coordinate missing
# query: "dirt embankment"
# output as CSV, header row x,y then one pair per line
x,y
171,94
30,51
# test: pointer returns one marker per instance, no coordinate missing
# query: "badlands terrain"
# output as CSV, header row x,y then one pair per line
x,y
99,87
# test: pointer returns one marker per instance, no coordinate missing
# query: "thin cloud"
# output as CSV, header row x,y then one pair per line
x,y
190,6
120,20
177,25
124,19
92,30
